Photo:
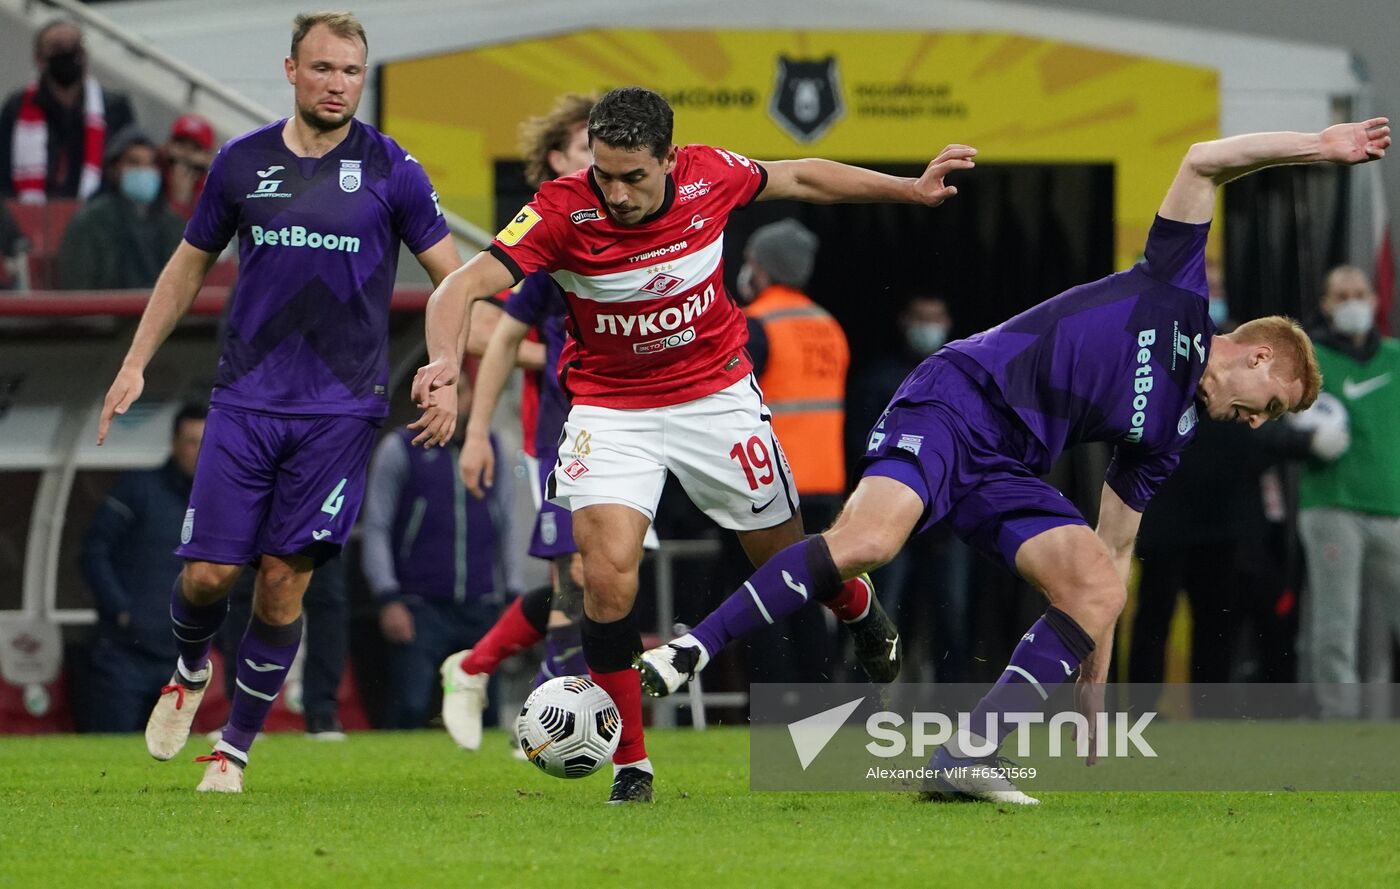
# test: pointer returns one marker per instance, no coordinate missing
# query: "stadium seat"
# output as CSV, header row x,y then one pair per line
x,y
43,226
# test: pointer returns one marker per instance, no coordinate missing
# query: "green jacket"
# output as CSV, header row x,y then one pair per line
x,y
1367,381
109,246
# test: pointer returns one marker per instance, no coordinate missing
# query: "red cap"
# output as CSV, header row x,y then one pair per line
x,y
195,128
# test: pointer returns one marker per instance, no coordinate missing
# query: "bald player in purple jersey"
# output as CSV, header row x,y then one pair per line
x,y
1129,360
320,204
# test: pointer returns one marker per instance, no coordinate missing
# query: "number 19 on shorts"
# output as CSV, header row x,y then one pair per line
x,y
755,460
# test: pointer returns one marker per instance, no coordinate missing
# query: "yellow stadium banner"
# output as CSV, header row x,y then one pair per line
x,y
860,96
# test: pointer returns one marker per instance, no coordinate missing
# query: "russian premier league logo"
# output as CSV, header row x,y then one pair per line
x,y
807,97
349,176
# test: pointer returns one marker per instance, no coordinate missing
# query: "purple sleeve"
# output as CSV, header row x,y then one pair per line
x,y
529,303
215,217
1176,254
1135,477
417,216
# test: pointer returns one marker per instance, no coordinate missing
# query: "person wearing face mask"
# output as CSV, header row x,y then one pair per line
x,y
121,238
1349,518
923,326
54,131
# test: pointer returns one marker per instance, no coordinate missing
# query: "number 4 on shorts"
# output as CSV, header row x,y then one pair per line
x,y
336,500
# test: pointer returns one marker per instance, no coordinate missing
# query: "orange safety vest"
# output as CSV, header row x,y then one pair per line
x,y
804,385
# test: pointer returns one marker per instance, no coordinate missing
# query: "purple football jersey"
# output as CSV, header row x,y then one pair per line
x,y
1117,360
539,302
318,246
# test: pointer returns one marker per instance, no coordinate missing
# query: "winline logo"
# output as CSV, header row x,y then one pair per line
x,y
893,735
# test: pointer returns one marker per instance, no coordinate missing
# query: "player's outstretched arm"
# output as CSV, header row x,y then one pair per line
x,y
175,290
1191,197
818,181
446,315
477,463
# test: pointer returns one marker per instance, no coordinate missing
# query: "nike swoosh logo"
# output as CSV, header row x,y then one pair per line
x,y
263,668
536,751
1068,671
270,170
758,509
1353,391
596,250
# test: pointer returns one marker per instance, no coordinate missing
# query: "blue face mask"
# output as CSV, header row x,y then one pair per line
x,y
140,185
1219,311
925,339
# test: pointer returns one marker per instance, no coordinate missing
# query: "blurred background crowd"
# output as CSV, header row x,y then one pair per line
x,y
1272,555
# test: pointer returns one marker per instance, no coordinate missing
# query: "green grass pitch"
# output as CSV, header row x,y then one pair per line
x,y
408,809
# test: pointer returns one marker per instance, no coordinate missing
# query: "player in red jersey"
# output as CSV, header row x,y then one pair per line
x,y
655,367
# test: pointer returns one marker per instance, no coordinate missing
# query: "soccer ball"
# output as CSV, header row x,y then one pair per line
x,y
568,727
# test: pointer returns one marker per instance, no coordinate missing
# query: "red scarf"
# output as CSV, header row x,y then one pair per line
x,y
30,149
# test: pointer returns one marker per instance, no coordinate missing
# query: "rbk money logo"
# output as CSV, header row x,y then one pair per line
x,y
807,97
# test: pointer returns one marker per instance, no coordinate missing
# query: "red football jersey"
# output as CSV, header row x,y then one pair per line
x,y
650,323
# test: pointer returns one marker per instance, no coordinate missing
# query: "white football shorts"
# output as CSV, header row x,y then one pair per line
x,y
721,448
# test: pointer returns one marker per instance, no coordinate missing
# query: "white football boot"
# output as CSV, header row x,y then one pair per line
x,y
463,700
169,726
666,668
223,774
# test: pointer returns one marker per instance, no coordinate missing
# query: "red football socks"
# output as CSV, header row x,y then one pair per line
x,y
625,688
510,634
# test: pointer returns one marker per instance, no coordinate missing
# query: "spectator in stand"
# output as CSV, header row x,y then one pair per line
x,y
1349,518
53,132
184,160
429,554
122,238
930,575
127,558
